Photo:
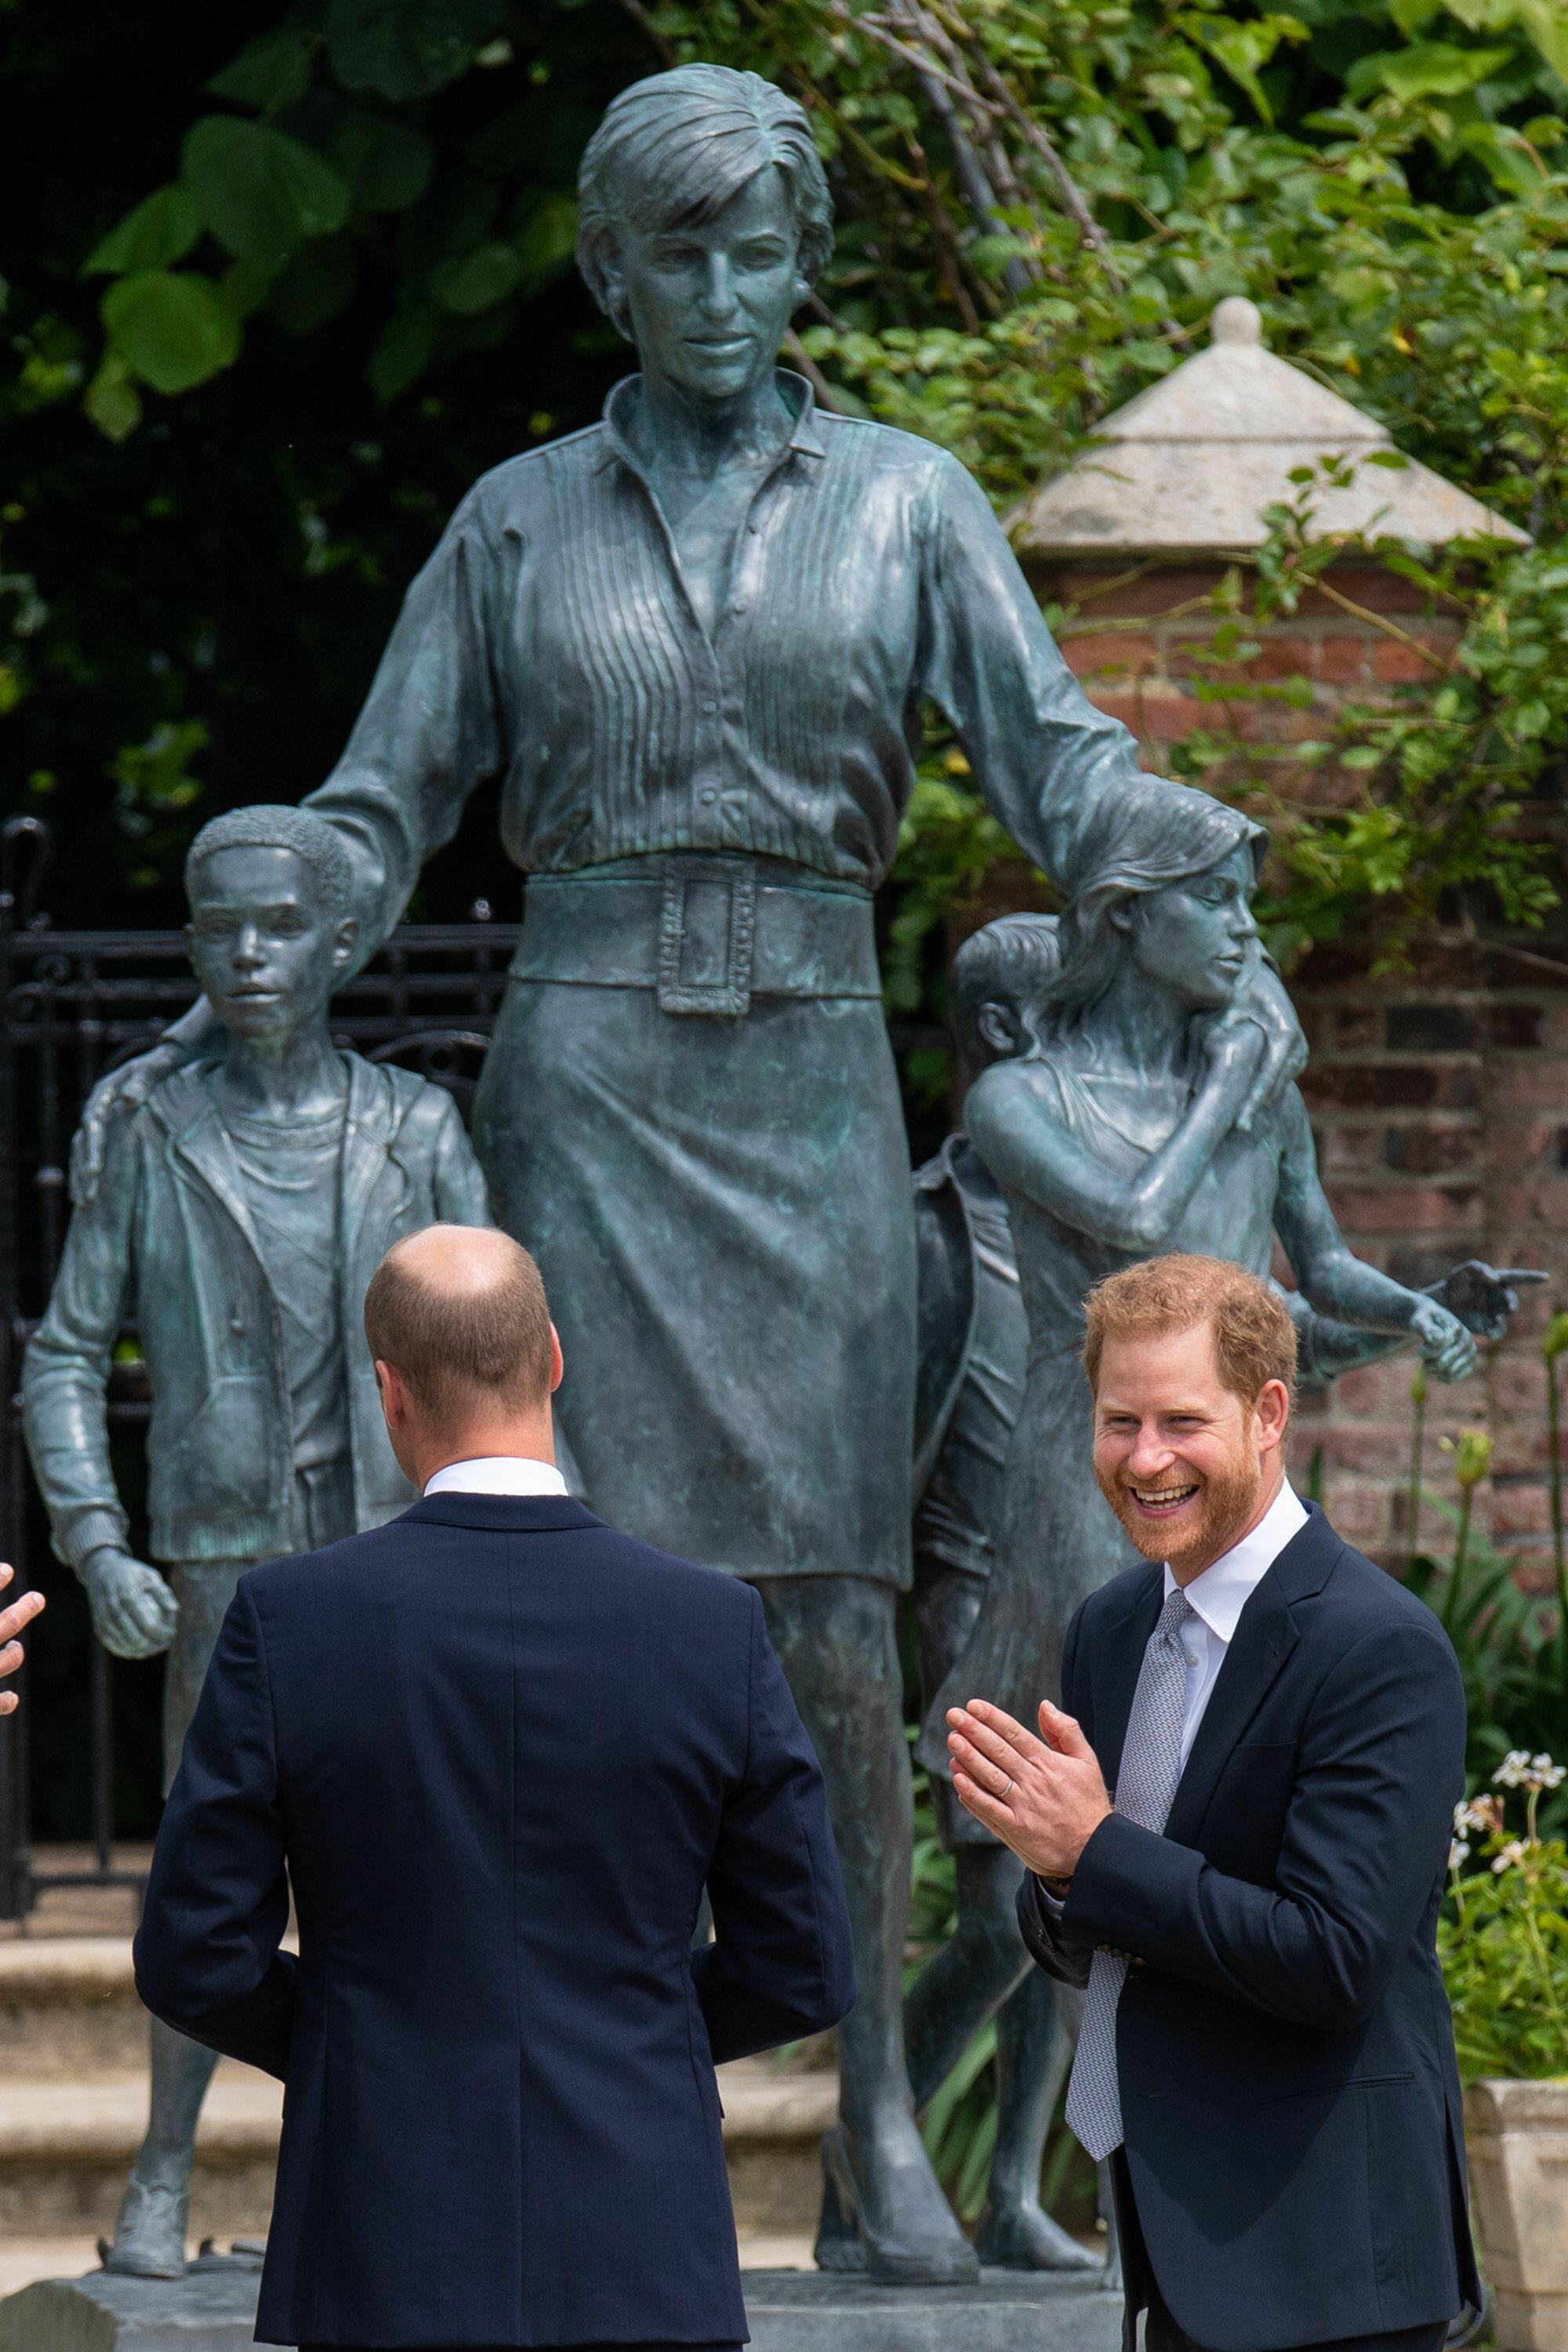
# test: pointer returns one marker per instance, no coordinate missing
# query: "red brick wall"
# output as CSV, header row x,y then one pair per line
x,y
1137,650
1439,1105
1440,1101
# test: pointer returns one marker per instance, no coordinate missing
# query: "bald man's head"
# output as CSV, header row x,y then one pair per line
x,y
461,1312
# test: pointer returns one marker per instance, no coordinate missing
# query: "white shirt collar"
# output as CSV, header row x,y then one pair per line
x,y
498,1473
1219,1595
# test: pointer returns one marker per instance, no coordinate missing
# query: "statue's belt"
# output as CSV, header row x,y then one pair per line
x,y
707,934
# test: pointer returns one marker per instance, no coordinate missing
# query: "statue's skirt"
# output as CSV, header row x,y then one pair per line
x,y
720,1209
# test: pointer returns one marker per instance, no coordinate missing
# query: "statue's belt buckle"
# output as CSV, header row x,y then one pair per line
x,y
707,936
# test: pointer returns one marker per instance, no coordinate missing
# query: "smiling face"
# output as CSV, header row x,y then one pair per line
x,y
1192,938
709,305
1186,1464
266,948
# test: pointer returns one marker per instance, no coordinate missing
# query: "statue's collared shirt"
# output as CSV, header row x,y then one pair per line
x,y
551,640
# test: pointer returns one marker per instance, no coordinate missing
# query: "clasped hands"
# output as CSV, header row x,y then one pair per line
x,y
1044,1798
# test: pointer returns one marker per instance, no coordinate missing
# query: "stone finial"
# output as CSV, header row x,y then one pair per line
x,y
1237,320
1189,466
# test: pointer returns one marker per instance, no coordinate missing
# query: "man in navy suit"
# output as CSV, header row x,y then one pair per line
x,y
497,1750
1267,2055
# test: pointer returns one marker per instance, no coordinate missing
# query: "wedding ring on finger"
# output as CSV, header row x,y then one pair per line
x,y
1005,1793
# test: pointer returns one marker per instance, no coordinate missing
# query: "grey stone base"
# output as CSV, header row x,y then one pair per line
x,y
789,2311
1009,2311
206,2311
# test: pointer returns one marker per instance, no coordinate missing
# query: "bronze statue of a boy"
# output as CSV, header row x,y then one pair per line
x,y
243,1207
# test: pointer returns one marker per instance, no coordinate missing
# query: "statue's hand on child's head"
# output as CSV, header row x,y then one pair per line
x,y
134,1613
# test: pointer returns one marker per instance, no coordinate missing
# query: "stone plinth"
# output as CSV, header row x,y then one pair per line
x,y
787,2311
1516,2136
809,2311
212,2311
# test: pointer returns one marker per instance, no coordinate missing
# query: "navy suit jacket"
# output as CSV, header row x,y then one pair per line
x,y
1289,2096
497,1749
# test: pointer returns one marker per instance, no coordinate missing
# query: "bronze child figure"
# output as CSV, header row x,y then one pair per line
x,y
242,1209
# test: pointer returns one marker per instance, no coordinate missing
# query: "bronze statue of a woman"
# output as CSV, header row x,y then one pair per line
x,y
694,641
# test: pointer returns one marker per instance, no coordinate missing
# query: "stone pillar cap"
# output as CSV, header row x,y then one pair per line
x,y
1191,464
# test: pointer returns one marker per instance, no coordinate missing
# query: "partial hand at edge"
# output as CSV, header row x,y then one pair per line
x,y
1044,1798
134,1614
128,1088
12,1620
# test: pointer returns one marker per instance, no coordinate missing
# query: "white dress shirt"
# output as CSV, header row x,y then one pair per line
x,y
1220,1594
498,1473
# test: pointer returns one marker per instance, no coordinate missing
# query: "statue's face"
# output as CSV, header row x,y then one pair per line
x,y
265,949
1193,939
709,307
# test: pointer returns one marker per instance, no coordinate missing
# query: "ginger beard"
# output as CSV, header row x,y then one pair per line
x,y
1185,1512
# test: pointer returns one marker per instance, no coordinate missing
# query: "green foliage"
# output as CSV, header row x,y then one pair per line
x,y
405,49
1503,1937
260,192
172,328
391,184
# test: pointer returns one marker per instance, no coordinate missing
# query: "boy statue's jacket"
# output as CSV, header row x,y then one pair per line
x,y
168,1241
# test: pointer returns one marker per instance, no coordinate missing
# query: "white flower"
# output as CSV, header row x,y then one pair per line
x,y
1515,1851
1458,1852
1519,1769
1482,1814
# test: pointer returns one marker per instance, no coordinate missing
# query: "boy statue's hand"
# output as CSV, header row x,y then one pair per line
x,y
133,1612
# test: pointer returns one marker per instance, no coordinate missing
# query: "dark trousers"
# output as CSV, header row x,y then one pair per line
x,y
1163,2334
558,2347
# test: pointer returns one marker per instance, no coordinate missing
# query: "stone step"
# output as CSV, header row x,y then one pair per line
x,y
68,2007
73,2107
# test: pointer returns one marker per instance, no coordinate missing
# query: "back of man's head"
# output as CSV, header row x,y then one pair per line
x,y
460,1312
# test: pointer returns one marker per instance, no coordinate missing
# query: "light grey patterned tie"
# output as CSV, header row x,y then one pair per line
x,y
1151,1767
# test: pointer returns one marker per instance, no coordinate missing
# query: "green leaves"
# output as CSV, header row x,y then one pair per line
x,y
387,163
268,73
160,230
475,280
407,48
174,329
261,193
1244,48
1424,70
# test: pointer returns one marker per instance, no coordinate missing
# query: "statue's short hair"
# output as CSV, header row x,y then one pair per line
x,y
1011,962
673,151
265,826
1254,1337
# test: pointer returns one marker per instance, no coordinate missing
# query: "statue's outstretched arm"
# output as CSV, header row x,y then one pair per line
x,y
1337,1284
1009,1116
